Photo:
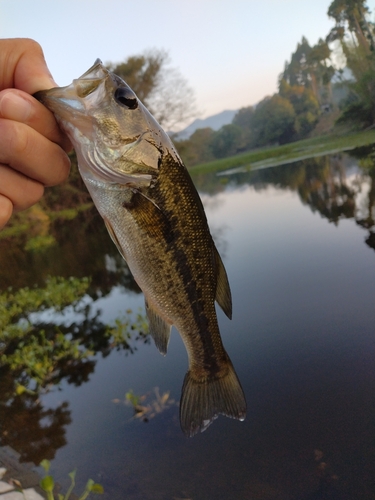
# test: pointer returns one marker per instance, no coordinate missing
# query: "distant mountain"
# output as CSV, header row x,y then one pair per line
x,y
215,122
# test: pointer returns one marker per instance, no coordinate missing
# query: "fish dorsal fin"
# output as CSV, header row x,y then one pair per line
x,y
159,328
113,236
223,294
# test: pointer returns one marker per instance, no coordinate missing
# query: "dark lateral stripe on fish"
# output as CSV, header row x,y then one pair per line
x,y
201,320
208,354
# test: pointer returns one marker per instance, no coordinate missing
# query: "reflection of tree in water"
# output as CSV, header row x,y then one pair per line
x,y
326,189
83,248
322,183
27,427
37,355
366,156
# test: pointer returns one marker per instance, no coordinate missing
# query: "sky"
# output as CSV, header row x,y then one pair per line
x,y
231,52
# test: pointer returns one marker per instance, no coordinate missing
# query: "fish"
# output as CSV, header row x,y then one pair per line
x,y
155,217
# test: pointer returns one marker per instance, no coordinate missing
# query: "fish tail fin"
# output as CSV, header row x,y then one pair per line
x,y
203,400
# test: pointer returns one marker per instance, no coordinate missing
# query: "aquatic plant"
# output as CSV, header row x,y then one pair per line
x,y
148,405
48,484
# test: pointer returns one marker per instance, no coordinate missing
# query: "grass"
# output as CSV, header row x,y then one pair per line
x,y
288,153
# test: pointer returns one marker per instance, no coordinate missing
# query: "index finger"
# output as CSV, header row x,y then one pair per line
x,y
22,66
22,107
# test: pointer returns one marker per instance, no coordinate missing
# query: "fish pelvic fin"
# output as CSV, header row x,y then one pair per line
x,y
160,329
223,293
113,236
202,401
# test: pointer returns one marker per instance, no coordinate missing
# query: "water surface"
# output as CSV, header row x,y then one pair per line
x,y
298,245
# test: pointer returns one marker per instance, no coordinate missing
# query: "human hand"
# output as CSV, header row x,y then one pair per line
x,y
32,147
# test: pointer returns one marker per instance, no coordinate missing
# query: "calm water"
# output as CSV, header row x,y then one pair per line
x,y
298,245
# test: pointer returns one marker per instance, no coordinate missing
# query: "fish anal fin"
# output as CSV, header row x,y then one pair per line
x,y
160,329
113,236
202,401
223,293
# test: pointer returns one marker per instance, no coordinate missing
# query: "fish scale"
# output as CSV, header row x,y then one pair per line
x,y
155,217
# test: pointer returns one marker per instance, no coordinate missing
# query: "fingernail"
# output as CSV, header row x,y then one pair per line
x,y
15,107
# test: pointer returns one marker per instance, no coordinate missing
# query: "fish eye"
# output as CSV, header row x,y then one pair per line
x,y
126,97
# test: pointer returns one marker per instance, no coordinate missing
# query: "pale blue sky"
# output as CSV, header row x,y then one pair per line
x,y
230,51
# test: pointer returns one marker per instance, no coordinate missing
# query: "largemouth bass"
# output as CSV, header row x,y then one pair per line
x,y
155,217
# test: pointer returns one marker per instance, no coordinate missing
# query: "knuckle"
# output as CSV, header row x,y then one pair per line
x,y
13,139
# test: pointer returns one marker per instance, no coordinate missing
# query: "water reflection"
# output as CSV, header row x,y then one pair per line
x,y
83,248
33,431
37,355
337,186
302,337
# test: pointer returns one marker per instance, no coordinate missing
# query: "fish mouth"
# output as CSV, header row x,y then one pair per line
x,y
65,100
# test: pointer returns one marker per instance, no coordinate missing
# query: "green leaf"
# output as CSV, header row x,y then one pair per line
x,y
97,488
20,389
90,483
72,474
47,484
46,464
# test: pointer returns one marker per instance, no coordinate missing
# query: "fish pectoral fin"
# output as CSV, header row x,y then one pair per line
x,y
223,294
203,400
113,236
160,329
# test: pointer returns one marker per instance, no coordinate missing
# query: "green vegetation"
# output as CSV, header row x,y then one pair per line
x,y
39,353
148,405
355,34
288,153
48,485
35,353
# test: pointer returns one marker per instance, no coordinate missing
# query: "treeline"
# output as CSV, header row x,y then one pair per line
x,y
312,84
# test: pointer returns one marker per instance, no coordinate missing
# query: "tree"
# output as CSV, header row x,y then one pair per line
x,y
305,105
227,141
197,149
309,67
161,88
297,72
274,119
321,72
350,16
244,118
356,37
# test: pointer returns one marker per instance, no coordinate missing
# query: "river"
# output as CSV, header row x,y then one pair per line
x,y
298,244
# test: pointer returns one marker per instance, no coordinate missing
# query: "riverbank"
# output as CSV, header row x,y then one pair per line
x,y
288,153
